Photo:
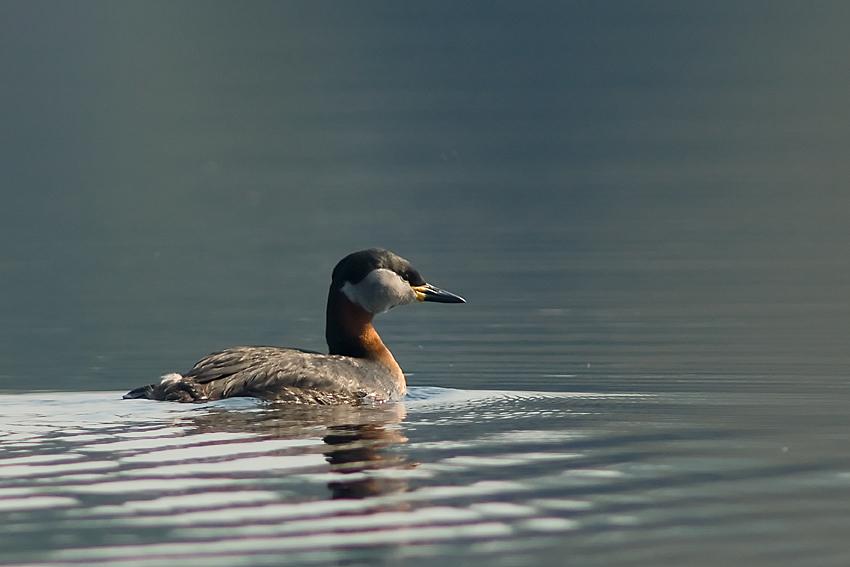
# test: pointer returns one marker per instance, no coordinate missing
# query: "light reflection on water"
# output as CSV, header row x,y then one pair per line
x,y
506,476
644,202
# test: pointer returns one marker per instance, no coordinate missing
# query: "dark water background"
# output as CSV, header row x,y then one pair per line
x,y
644,204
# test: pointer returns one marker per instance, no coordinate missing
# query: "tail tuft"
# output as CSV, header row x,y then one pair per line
x,y
171,387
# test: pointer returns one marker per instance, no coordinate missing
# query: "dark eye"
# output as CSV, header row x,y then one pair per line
x,y
412,277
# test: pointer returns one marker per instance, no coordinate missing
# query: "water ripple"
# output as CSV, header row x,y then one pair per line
x,y
241,482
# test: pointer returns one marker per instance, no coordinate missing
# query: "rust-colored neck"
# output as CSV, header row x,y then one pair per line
x,y
349,332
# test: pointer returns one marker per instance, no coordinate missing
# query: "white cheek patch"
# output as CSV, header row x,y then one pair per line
x,y
380,291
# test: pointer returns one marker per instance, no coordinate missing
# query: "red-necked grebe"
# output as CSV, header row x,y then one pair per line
x,y
358,367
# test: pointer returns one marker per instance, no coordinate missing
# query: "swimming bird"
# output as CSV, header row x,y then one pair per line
x,y
357,368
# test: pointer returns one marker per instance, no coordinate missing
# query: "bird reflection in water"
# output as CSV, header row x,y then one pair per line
x,y
357,449
358,439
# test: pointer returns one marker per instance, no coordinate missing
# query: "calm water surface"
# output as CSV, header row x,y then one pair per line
x,y
645,206
503,477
